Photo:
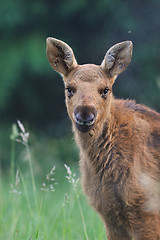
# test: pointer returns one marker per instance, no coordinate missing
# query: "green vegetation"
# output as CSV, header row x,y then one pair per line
x,y
51,208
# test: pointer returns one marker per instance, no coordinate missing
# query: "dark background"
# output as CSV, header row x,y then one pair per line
x,y
33,93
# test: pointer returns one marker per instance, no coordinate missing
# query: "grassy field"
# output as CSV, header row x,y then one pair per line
x,y
50,208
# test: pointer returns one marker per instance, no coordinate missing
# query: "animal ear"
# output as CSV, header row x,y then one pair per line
x,y
117,58
60,56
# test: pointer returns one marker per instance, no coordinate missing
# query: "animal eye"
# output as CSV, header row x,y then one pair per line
x,y
70,91
103,92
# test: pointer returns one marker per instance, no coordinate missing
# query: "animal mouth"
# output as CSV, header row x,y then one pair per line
x,y
84,128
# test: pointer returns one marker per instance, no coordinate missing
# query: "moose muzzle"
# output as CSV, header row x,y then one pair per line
x,y
84,117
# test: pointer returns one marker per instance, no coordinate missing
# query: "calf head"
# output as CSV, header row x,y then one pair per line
x,y
88,87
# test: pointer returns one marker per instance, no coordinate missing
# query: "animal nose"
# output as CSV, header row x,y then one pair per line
x,y
81,120
85,117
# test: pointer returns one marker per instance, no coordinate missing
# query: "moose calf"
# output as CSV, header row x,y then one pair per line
x,y
119,143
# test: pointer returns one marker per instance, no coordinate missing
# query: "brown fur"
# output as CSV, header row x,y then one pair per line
x,y
120,151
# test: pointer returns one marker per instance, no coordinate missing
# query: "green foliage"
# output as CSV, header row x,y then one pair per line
x,y
19,55
44,209
56,217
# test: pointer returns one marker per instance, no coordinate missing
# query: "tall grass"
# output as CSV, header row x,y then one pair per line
x,y
54,208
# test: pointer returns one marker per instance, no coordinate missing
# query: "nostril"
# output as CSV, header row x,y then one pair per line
x,y
91,117
78,117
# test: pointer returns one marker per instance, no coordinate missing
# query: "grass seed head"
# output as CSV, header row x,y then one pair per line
x,y
50,183
71,177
